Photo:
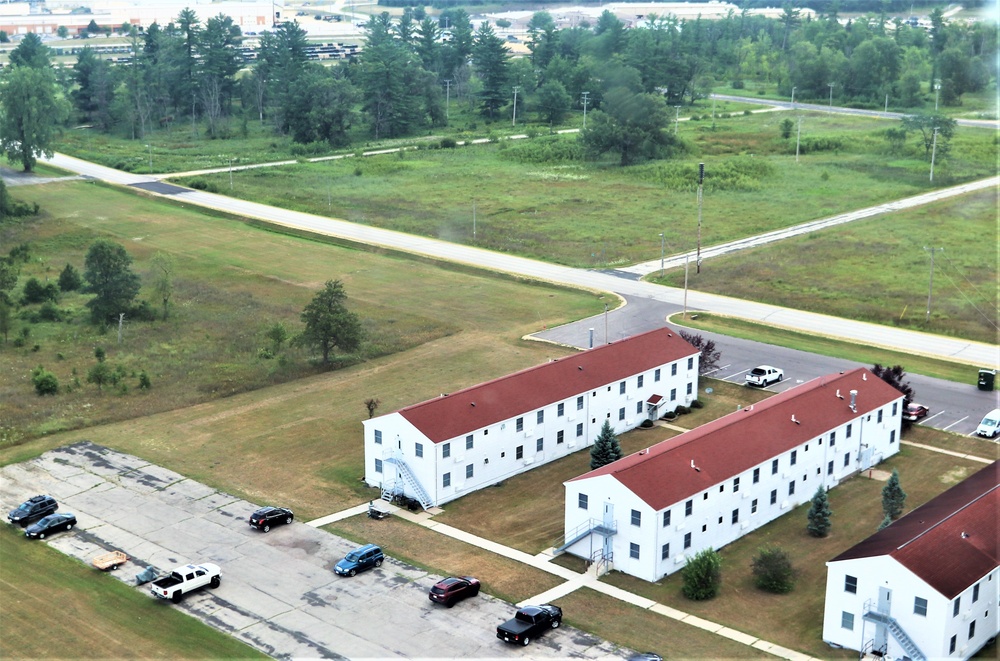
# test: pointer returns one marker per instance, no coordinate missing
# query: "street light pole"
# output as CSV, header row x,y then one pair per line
x,y
830,85
933,152
585,100
514,120
930,286
677,118
793,96
701,179
937,92
447,99
661,254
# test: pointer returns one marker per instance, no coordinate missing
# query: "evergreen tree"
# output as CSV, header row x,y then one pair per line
x,y
606,448
819,514
69,279
702,575
491,59
885,522
893,497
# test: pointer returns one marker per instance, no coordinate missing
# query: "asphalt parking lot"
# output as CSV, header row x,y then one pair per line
x,y
278,593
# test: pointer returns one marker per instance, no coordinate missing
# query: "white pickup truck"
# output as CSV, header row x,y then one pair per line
x,y
184,579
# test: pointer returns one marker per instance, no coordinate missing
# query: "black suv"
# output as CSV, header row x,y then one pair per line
x,y
265,517
33,509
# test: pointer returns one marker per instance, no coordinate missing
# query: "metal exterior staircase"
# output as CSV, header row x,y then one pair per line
x,y
897,632
412,484
587,527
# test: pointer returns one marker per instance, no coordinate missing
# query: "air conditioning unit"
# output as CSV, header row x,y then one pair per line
x,y
528,461
459,458
744,525
784,504
746,494
528,433
571,445
678,559
571,418
679,526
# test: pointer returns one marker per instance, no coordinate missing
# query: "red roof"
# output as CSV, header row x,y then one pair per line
x,y
951,541
696,460
465,411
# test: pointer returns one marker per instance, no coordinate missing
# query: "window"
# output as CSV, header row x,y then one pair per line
x,y
673,370
851,584
579,429
795,456
560,410
540,417
956,606
951,645
673,394
736,516
665,552
468,442
446,480
833,438
579,403
519,424
582,501
972,629
791,488
470,471
378,465
878,418
736,484
894,409
418,449
633,550
756,475
539,444
829,468
975,593
847,458
807,447
690,363
446,450
559,437
774,496
621,388
704,496
519,452
847,620
656,378
636,518
753,506
846,433
666,518
638,406
690,388
687,541
639,381
621,413
919,606
774,467
378,437
722,488
688,508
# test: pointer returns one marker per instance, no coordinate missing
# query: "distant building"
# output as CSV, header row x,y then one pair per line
x,y
647,513
925,587
454,444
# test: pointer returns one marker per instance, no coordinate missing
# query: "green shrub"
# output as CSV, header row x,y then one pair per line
x,y
702,575
45,382
144,382
696,404
683,410
646,424
49,312
448,143
772,570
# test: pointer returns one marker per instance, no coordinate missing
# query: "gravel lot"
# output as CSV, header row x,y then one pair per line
x,y
279,593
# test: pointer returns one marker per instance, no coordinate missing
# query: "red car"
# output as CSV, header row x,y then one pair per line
x,y
454,589
915,411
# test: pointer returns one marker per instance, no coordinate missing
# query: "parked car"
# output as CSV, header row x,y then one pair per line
x,y
990,426
33,509
915,411
764,375
454,589
360,559
530,622
50,524
266,517
184,579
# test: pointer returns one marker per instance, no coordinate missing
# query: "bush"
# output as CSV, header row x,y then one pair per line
x,y
696,404
646,424
772,570
69,279
738,84
45,381
144,382
448,143
682,410
49,312
36,292
747,112
702,575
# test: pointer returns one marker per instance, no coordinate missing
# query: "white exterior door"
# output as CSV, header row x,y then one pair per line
x,y
609,523
885,608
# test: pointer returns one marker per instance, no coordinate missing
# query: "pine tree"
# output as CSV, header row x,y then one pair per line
x,y
606,448
893,497
885,522
819,514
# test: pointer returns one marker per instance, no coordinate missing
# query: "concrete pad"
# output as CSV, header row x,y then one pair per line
x,y
738,636
707,625
667,611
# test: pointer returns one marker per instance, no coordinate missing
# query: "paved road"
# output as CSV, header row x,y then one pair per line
x,y
278,593
973,353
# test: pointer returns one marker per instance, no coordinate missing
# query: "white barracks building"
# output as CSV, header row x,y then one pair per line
x,y
645,514
446,447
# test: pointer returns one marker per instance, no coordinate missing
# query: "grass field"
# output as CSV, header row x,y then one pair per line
x,y
878,270
54,607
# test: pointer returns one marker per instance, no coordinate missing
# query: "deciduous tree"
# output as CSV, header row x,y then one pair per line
x,y
108,272
329,324
31,112
772,570
895,376
702,575
709,358
630,125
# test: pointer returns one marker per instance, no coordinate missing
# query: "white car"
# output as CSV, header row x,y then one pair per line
x,y
764,375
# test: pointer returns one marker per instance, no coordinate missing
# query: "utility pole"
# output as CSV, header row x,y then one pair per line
x,y
793,97
677,118
830,85
930,286
686,256
121,320
514,120
661,254
937,92
447,99
887,104
701,179
933,152
798,136
585,100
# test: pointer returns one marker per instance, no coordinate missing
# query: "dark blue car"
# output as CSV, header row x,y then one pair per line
x,y
360,559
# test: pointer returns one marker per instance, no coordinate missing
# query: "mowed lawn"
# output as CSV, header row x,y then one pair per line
x,y
54,607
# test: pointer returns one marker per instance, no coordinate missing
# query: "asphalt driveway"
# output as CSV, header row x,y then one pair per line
x,y
278,593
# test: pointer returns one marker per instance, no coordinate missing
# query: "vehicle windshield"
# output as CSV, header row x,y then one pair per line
x,y
46,521
989,422
352,557
24,507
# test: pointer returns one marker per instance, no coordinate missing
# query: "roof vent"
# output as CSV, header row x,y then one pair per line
x,y
473,403
695,467
965,535
854,400
864,377
839,396
579,367
794,420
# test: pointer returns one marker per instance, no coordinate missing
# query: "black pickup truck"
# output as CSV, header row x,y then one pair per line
x,y
530,622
